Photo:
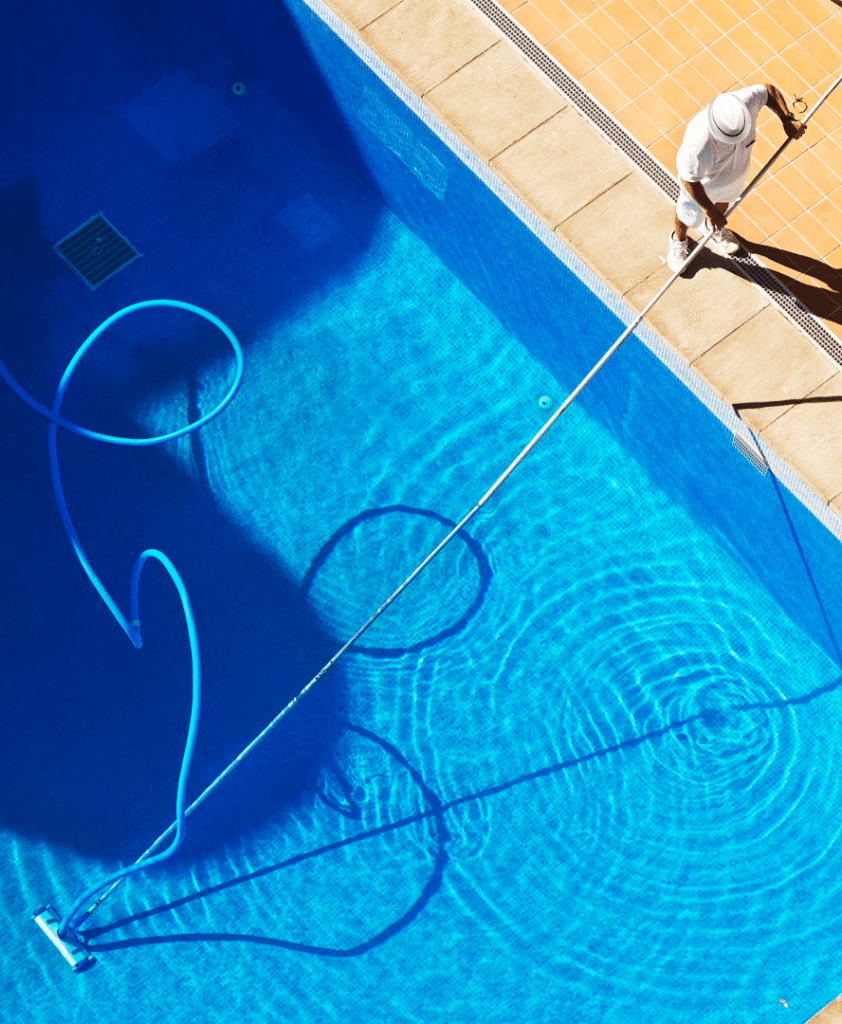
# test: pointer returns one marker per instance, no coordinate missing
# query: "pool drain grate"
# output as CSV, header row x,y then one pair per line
x,y
96,250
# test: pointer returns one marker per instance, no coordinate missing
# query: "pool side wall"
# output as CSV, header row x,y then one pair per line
x,y
485,236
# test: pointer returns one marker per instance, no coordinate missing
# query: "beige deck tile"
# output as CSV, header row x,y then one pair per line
x,y
542,30
623,232
832,1013
360,12
495,100
809,438
700,310
561,166
425,41
762,365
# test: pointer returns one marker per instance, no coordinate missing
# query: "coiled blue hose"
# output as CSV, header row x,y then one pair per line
x,y
131,627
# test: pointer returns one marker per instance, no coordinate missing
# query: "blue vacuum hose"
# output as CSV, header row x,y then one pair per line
x,y
68,925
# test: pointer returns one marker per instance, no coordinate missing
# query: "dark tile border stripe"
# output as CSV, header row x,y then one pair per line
x,y
587,105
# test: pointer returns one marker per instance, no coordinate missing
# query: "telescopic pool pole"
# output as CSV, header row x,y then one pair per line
x,y
49,927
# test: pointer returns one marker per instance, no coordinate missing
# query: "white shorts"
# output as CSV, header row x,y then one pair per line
x,y
690,213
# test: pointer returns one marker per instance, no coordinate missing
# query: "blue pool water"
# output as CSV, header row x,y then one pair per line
x,y
585,769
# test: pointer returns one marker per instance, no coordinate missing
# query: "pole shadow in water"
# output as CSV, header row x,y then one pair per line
x,y
437,811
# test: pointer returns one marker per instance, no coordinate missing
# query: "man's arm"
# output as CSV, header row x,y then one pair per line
x,y
697,192
777,103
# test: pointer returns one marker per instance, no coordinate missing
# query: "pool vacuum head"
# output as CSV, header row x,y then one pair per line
x,y
48,921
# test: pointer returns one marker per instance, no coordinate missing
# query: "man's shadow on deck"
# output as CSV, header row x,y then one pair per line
x,y
823,302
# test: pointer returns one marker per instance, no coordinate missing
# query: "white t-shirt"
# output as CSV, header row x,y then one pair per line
x,y
702,158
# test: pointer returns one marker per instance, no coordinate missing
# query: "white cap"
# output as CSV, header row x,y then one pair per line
x,y
728,119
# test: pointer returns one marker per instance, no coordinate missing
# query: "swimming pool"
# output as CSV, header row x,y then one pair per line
x,y
582,770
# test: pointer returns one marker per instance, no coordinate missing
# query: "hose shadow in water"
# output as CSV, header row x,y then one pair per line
x,y
436,810
483,570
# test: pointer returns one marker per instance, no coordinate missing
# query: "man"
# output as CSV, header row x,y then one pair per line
x,y
712,164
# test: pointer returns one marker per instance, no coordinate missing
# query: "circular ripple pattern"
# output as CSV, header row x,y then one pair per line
x,y
677,773
371,555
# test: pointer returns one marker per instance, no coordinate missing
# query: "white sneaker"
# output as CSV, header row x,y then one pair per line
x,y
677,252
725,242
